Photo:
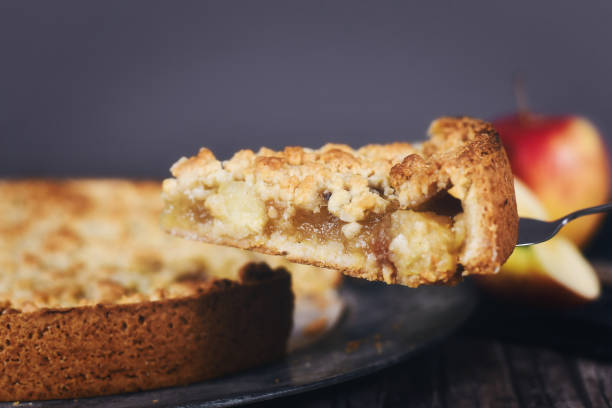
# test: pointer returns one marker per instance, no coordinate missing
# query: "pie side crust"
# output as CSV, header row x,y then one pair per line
x,y
106,349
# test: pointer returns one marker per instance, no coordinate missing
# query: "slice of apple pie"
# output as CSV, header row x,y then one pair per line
x,y
400,213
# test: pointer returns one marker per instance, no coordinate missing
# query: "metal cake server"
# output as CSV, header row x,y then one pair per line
x,y
532,231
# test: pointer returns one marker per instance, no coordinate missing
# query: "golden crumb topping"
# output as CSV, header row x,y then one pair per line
x,y
351,183
82,242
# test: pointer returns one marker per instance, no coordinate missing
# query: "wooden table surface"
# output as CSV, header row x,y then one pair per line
x,y
503,357
469,371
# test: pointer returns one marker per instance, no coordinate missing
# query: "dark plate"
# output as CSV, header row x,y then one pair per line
x,y
382,325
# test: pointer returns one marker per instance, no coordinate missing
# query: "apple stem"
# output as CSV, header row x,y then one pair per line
x,y
520,96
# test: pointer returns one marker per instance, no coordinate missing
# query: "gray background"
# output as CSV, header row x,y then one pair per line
x,y
124,88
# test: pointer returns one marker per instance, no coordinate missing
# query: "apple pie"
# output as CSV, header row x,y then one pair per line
x,y
96,299
401,213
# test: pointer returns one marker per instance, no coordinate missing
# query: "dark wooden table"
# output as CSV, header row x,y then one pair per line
x,y
469,371
503,357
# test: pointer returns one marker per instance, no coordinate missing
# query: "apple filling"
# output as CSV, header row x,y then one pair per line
x,y
424,241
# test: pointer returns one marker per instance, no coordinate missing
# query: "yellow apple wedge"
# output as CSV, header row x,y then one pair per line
x,y
552,274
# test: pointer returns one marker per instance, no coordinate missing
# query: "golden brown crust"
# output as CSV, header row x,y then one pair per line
x,y
464,156
107,349
480,173
417,180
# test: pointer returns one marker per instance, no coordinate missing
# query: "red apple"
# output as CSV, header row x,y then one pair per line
x,y
562,159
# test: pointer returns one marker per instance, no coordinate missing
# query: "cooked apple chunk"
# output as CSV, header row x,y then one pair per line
x,y
400,213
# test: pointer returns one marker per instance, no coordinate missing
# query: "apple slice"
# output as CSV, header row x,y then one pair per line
x,y
553,273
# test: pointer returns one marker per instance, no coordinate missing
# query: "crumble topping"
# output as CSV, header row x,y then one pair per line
x,y
351,183
76,243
